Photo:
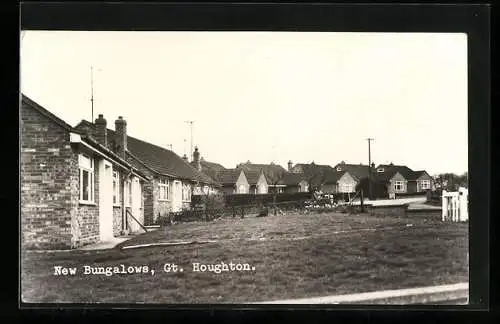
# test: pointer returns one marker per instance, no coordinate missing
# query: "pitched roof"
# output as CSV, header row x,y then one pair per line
x,y
390,170
156,158
228,176
209,168
26,100
359,171
252,176
87,138
318,173
417,174
292,179
273,172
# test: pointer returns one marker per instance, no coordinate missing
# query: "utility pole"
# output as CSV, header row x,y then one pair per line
x,y
185,147
369,169
190,122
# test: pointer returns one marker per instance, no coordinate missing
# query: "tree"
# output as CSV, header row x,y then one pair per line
x,y
451,181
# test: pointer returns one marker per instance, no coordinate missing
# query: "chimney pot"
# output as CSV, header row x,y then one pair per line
x,y
101,133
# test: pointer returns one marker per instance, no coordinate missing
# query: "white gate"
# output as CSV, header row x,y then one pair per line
x,y
455,205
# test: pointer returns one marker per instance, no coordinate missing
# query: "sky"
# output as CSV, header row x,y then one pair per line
x,y
264,96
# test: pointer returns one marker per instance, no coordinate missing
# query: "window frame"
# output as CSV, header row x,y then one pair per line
x,y
90,181
116,188
399,182
165,184
428,184
186,190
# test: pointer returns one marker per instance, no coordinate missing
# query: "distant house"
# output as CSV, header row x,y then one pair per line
x,y
359,171
402,179
208,169
257,182
294,182
273,173
74,190
326,178
172,178
233,181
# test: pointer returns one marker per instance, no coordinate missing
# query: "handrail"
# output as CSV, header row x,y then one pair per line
x,y
142,226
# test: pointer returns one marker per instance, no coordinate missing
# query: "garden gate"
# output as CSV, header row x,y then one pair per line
x,y
455,205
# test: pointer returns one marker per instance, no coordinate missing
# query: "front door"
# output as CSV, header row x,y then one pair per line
x,y
136,206
177,196
105,200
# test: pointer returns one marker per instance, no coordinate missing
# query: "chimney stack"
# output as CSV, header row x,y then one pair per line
x,y
185,158
196,159
290,164
121,135
101,133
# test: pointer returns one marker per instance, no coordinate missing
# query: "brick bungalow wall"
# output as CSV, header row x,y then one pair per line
x,y
85,220
46,187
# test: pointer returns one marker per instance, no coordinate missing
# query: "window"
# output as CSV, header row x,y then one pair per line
x,y
186,192
346,187
398,185
339,169
280,189
425,184
86,182
128,193
116,188
163,186
380,170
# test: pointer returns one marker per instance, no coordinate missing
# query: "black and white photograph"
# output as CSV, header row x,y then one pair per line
x,y
244,167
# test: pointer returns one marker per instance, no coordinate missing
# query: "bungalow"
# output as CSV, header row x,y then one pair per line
x,y
294,182
172,179
327,179
402,179
233,181
209,169
359,171
257,182
74,190
274,173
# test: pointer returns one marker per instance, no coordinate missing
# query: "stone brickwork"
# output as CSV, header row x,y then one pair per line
x,y
85,218
45,182
117,220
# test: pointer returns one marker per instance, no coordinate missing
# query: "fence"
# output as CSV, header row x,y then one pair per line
x,y
455,205
209,214
255,199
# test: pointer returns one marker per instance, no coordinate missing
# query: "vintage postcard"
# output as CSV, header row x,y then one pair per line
x,y
176,167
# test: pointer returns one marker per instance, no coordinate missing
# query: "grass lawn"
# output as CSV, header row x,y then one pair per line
x,y
295,256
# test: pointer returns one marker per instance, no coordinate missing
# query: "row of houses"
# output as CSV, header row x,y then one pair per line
x,y
89,183
388,180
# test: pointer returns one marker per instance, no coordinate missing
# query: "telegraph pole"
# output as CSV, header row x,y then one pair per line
x,y
369,169
190,122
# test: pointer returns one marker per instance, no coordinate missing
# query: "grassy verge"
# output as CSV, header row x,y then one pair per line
x,y
322,263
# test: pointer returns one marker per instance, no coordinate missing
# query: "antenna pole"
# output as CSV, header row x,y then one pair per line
x,y
190,122
92,92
